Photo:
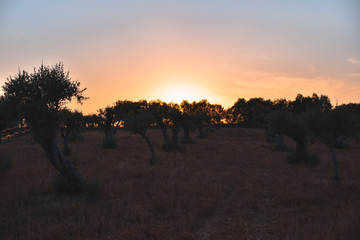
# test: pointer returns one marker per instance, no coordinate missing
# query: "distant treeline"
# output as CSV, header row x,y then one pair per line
x,y
243,113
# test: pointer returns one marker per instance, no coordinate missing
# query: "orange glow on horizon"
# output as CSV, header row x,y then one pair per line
x,y
177,91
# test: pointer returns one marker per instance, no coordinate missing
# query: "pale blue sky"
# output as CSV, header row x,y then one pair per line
x,y
237,48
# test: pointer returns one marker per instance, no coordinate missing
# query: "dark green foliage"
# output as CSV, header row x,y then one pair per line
x,y
5,163
173,148
245,112
305,158
210,129
188,141
202,135
109,143
291,125
282,148
62,186
8,113
303,104
341,145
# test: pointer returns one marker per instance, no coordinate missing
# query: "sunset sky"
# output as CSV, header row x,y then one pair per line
x,y
218,50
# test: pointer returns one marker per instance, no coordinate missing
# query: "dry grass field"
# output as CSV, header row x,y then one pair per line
x,y
229,186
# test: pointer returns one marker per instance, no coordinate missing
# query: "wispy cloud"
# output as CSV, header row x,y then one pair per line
x,y
353,60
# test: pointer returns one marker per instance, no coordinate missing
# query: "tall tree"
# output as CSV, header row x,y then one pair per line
x,y
39,97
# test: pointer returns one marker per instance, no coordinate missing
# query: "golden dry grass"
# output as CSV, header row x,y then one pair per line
x,y
229,186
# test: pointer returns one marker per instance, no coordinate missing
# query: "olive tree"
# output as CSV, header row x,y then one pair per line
x,y
159,111
177,118
139,123
39,98
328,127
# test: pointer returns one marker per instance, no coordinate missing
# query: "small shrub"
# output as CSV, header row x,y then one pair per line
x,y
5,163
341,145
108,144
304,158
282,148
173,148
270,139
202,136
188,141
62,186
210,129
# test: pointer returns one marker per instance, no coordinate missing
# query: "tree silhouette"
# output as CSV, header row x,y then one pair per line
x,y
140,122
277,123
39,98
245,112
217,115
328,126
188,121
302,104
111,118
176,118
160,112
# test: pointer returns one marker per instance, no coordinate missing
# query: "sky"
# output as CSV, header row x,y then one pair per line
x,y
219,50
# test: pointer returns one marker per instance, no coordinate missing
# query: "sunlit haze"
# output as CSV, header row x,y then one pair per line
x,y
218,50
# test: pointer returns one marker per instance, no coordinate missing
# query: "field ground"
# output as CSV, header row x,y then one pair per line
x,y
229,186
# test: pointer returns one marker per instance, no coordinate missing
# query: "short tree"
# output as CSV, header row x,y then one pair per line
x,y
139,123
176,118
328,127
276,123
39,97
160,111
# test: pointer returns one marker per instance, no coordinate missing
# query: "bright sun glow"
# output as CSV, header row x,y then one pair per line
x,y
177,92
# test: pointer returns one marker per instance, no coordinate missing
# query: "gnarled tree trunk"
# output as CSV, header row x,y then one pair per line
x,y
61,163
153,158
164,132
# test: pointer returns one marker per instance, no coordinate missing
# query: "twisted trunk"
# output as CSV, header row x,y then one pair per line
x,y
164,132
153,158
61,163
